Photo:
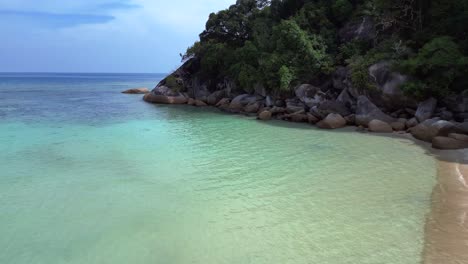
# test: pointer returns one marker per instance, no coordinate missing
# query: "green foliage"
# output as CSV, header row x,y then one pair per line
x,y
286,76
437,65
359,64
342,10
172,83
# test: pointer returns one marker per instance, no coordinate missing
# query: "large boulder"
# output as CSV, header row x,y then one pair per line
x,y
164,99
398,125
223,102
252,108
199,102
447,143
389,84
137,91
366,111
265,115
164,90
299,117
239,102
378,126
345,98
308,94
278,110
269,102
341,78
456,136
426,109
327,107
362,29
215,97
294,105
332,121
431,128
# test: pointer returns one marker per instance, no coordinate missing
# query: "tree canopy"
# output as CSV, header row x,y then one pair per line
x,y
280,43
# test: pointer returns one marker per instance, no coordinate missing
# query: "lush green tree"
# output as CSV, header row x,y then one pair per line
x,y
280,43
437,67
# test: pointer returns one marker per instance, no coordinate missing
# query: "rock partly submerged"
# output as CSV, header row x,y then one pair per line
x,y
137,91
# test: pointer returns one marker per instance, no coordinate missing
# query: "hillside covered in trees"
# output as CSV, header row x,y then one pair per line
x,y
381,65
280,44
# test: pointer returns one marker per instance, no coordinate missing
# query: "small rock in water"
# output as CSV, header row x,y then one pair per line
x,y
137,91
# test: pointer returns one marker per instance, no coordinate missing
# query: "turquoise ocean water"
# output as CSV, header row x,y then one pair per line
x,y
89,175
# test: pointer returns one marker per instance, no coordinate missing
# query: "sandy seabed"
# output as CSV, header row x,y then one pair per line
x,y
446,239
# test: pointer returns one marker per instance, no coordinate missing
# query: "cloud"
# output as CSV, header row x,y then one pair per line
x,y
100,35
52,20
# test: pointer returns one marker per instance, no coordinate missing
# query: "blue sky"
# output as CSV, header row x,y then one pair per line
x,y
99,35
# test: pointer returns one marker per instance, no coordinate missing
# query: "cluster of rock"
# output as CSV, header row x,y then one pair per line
x,y
331,105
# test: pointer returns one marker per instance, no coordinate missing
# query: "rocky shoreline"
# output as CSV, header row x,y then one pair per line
x,y
426,122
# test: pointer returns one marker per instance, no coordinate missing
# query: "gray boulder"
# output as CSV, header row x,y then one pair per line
x,y
366,111
269,102
341,78
294,105
239,102
389,84
426,109
345,98
308,94
330,107
412,122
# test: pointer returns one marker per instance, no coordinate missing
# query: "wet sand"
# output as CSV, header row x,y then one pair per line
x,y
447,226
446,230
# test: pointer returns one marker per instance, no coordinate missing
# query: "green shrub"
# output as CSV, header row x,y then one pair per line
x,y
437,67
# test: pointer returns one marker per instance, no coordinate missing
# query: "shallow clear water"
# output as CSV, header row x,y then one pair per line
x,y
89,175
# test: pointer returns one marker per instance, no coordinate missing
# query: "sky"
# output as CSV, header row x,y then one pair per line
x,y
131,36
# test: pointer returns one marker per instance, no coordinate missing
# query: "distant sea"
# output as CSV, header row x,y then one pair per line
x,y
90,175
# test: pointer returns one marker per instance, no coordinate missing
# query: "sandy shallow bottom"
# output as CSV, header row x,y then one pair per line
x,y
447,225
